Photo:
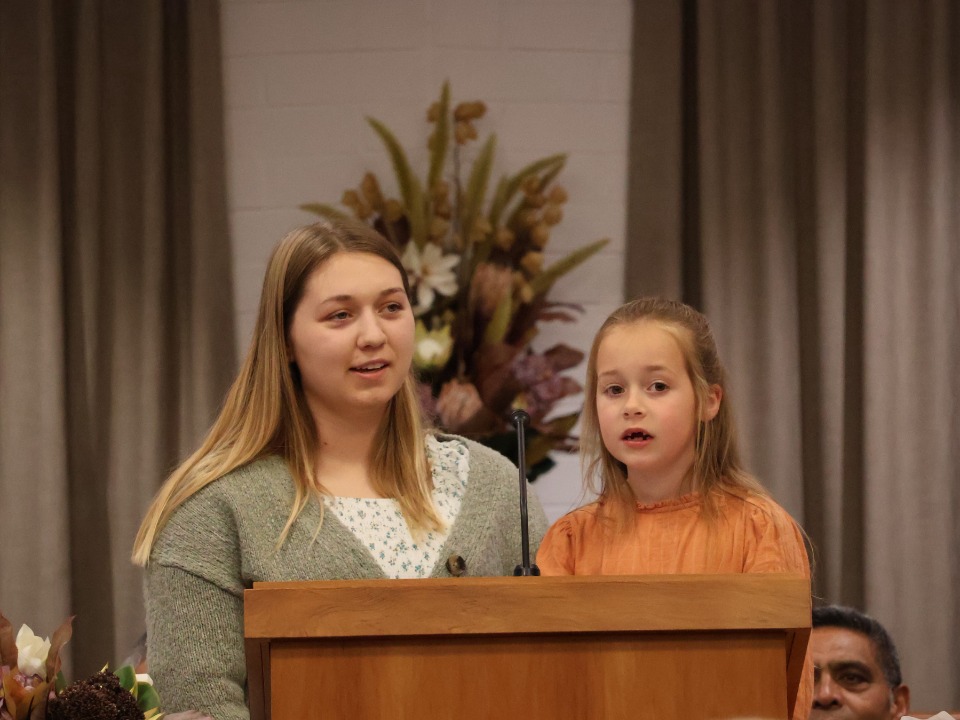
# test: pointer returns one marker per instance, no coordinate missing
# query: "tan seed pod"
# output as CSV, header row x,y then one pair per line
x,y
442,209
433,112
440,190
350,198
439,228
482,225
557,195
529,218
540,235
552,214
532,262
536,200
371,190
461,132
363,209
531,185
469,110
504,238
392,211
525,293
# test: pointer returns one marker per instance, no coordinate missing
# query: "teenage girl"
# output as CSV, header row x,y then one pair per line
x,y
319,467
659,448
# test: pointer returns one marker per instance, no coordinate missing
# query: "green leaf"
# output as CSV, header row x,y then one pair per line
x,y
61,682
147,697
499,200
441,139
545,280
324,210
500,322
128,678
564,424
410,190
477,187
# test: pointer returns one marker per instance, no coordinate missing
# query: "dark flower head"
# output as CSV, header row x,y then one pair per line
x,y
100,697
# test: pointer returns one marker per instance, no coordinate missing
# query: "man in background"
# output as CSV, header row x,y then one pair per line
x,y
857,671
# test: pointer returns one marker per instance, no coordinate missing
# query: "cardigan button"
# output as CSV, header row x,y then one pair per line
x,y
456,565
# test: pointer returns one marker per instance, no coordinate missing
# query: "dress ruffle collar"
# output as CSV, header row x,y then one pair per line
x,y
671,504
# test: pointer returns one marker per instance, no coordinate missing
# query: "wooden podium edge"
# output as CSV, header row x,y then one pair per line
x,y
528,605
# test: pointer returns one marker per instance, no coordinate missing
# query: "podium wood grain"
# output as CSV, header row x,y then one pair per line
x,y
599,647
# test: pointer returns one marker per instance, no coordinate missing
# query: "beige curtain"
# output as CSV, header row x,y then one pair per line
x,y
116,341
796,173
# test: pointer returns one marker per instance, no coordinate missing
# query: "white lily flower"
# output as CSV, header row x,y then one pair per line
x,y
32,652
432,348
430,272
144,677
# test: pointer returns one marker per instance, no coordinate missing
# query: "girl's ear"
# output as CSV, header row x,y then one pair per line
x,y
712,405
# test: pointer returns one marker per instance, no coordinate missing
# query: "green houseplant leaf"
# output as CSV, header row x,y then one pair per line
x,y
441,139
410,189
477,186
545,280
324,210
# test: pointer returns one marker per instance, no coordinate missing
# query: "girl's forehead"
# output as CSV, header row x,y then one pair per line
x,y
352,273
644,343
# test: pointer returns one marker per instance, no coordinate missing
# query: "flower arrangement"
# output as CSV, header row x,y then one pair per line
x,y
476,269
33,687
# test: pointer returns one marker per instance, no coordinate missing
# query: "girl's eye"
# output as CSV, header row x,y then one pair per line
x,y
659,386
394,307
613,390
341,315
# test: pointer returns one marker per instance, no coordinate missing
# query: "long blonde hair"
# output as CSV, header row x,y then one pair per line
x,y
266,413
716,450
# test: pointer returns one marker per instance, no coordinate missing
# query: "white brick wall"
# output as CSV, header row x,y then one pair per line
x,y
300,77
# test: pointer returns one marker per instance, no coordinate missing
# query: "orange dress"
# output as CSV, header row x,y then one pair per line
x,y
751,534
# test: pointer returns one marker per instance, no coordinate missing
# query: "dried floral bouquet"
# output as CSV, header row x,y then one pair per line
x,y
476,268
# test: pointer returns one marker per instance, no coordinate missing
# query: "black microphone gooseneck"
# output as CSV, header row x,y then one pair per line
x,y
520,419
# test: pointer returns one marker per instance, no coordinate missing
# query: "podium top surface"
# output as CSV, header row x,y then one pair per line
x,y
357,608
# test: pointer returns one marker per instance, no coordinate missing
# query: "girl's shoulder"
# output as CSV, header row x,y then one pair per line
x,y
214,509
576,521
764,519
751,504
262,481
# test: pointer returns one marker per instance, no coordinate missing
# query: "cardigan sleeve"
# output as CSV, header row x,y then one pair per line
x,y
194,601
195,644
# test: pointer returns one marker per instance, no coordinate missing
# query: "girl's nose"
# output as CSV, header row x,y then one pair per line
x,y
634,405
370,333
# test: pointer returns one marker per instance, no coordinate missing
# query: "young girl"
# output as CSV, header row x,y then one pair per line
x,y
318,468
658,435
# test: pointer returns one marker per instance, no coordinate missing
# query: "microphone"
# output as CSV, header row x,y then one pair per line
x,y
520,419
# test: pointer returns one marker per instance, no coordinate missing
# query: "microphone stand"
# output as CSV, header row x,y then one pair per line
x,y
520,419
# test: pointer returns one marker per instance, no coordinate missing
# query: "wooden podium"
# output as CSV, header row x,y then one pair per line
x,y
656,646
